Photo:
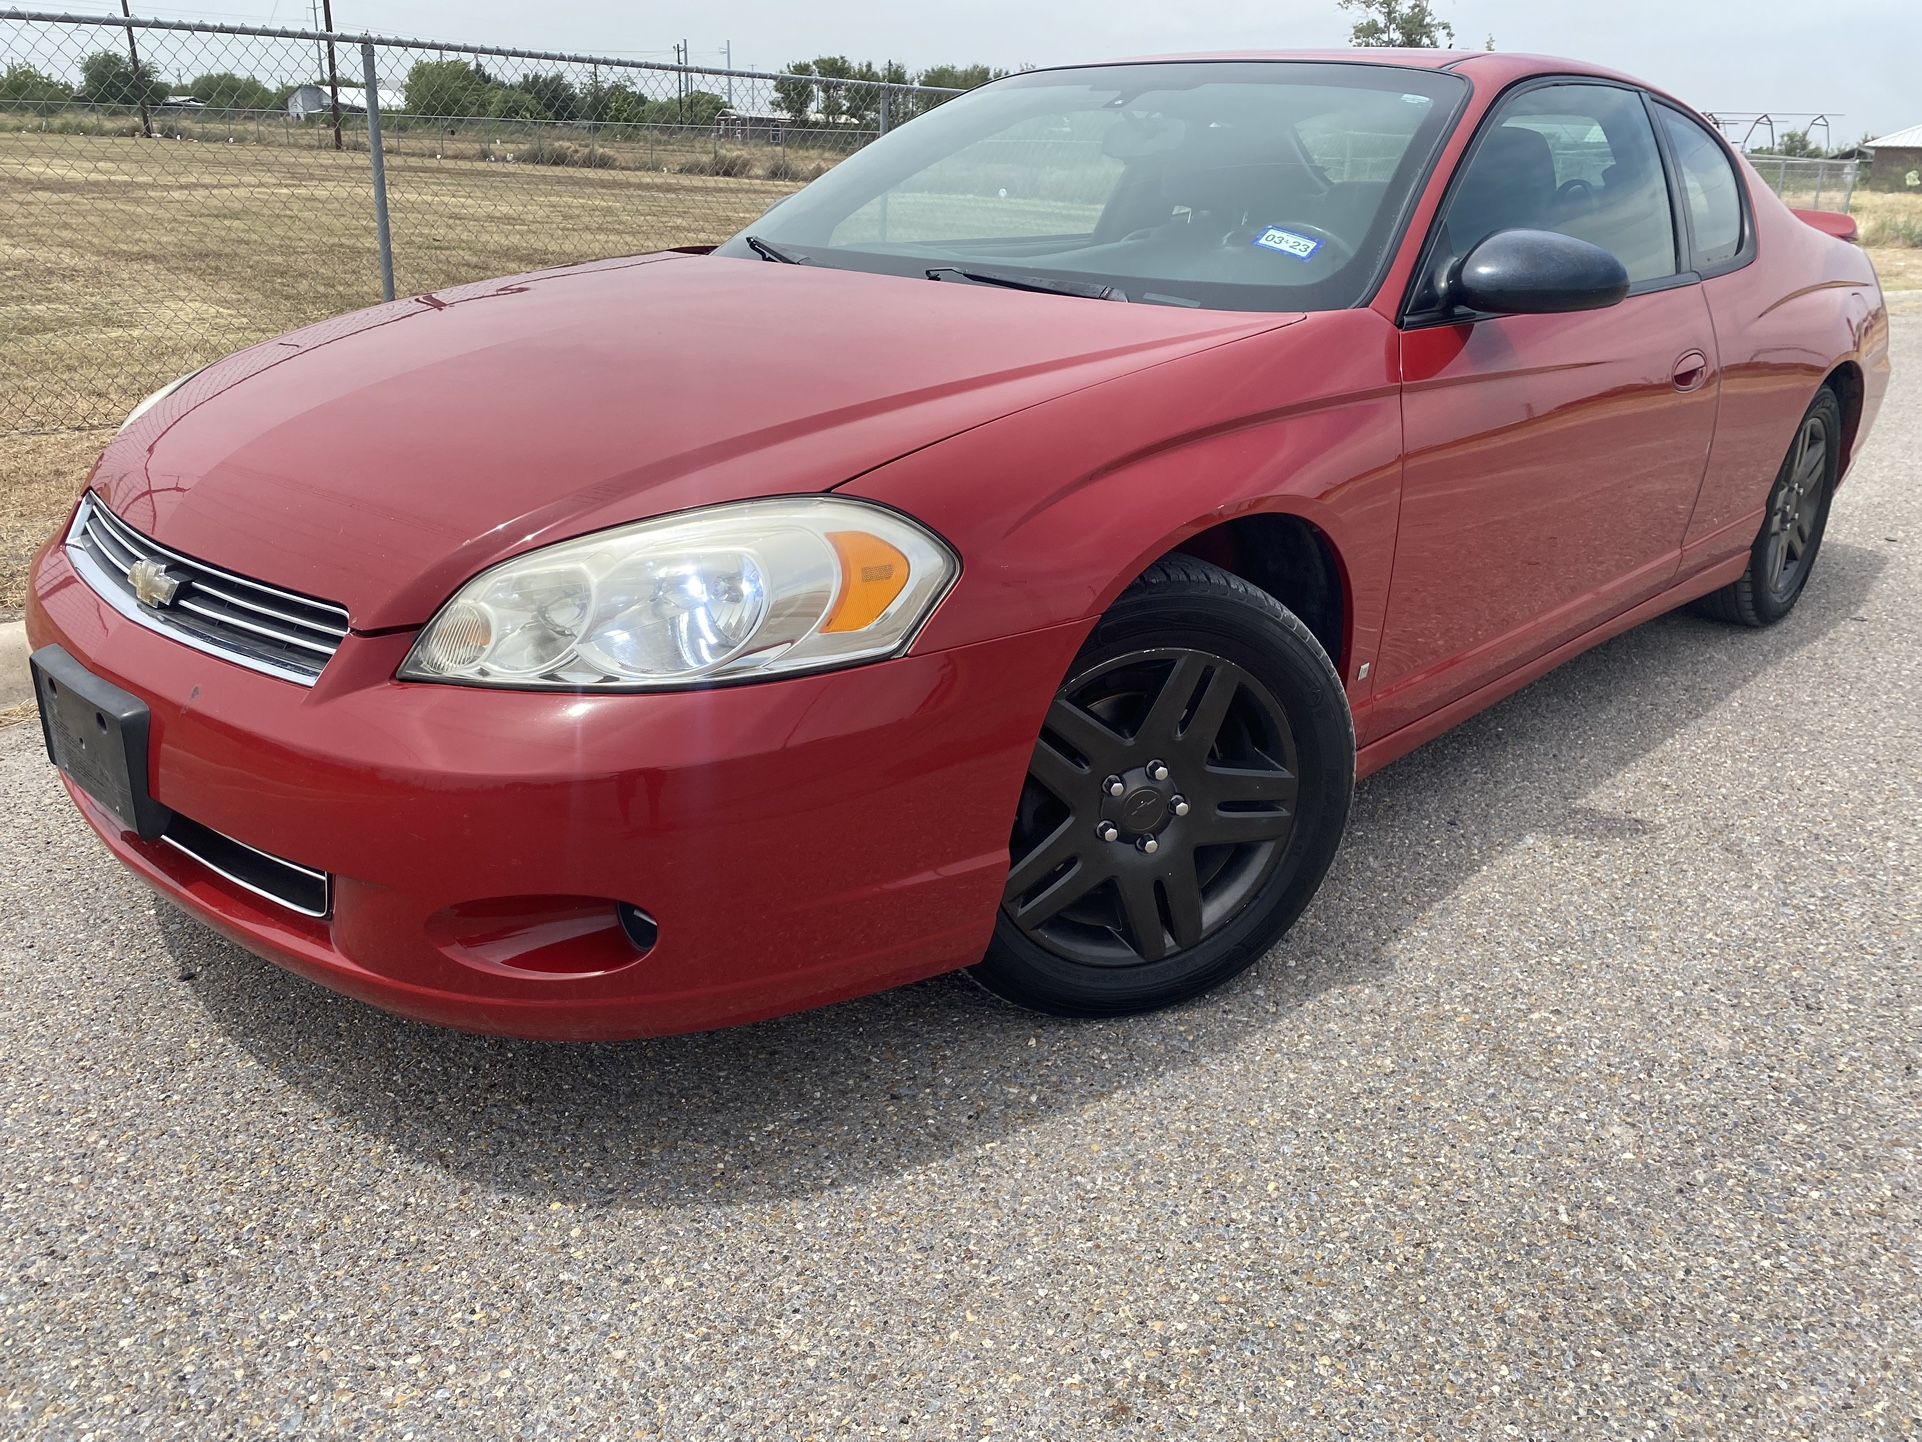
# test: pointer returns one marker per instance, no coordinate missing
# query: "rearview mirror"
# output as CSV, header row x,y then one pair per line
x,y
1537,272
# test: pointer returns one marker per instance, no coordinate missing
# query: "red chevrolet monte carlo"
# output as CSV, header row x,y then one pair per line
x,y
1006,554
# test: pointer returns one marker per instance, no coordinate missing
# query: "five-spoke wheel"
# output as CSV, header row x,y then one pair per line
x,y
1185,795
1796,507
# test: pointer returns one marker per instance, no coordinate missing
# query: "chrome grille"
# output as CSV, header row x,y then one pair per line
x,y
216,611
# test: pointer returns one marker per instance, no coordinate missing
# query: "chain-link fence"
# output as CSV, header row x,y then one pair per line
x,y
171,191
1809,183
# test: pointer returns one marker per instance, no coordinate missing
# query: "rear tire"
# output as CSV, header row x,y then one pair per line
x,y
1797,515
1187,794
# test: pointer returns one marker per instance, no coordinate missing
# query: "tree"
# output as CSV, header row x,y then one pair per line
x,y
447,88
794,92
1794,144
860,101
556,94
506,102
948,77
835,71
615,104
108,78
1409,24
24,88
700,107
835,88
957,77
224,90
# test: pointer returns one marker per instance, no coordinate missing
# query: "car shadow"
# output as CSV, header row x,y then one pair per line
x,y
879,1086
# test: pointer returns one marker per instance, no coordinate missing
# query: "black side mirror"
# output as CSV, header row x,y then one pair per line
x,y
1536,272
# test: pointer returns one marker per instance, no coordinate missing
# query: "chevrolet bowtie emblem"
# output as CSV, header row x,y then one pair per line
x,y
152,584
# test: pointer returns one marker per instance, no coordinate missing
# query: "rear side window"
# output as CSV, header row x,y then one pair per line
x,y
1709,187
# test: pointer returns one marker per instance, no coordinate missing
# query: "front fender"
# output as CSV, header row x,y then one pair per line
x,y
1056,508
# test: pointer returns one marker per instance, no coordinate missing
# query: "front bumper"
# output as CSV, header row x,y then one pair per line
x,y
797,842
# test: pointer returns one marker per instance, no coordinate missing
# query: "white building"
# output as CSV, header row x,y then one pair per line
x,y
312,100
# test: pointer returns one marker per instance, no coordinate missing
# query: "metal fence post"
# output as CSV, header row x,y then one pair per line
x,y
379,164
885,94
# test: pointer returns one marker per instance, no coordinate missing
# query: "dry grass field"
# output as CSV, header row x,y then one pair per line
x,y
1900,268
124,263
1890,220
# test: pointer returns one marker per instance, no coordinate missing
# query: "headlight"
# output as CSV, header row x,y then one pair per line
x,y
754,589
155,399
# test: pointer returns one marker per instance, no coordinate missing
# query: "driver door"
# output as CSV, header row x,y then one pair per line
x,y
1552,460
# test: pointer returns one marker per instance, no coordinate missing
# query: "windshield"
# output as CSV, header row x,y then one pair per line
x,y
1235,185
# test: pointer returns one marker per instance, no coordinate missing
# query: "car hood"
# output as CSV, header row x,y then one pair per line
x,y
381,459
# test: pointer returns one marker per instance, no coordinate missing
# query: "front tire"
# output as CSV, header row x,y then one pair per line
x,y
1797,516
1187,793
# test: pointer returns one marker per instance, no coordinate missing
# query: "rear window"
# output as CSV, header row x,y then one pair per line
x,y
1710,189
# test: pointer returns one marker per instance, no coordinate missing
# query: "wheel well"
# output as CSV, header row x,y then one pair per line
x,y
1846,381
1290,560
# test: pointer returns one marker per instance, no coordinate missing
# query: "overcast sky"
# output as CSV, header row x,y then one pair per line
x,y
1858,60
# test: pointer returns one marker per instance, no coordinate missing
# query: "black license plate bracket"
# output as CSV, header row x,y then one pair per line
x,y
98,734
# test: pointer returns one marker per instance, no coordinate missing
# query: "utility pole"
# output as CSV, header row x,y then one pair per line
x,y
139,80
727,49
320,57
333,78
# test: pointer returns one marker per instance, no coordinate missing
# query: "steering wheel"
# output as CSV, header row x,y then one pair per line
x,y
1575,188
1344,252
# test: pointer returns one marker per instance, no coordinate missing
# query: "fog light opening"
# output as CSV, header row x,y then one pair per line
x,y
641,928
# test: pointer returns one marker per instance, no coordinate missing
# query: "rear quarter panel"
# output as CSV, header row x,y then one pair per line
x,y
1806,304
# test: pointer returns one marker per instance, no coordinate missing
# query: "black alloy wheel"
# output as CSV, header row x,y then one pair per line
x,y
1160,796
1793,523
1184,799
1796,508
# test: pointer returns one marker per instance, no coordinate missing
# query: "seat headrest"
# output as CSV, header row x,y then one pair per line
x,y
1510,183
1235,171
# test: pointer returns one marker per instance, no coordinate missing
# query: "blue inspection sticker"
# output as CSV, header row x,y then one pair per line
x,y
1287,242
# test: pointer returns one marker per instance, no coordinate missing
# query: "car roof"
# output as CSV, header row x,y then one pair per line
x,y
1499,67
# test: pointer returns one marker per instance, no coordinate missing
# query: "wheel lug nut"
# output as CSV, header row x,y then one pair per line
x,y
1113,786
1149,846
1158,770
1180,806
1107,831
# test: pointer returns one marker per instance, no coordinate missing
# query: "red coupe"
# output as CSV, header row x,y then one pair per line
x,y
1006,554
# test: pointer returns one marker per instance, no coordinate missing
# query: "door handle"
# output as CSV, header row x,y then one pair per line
x,y
1691,369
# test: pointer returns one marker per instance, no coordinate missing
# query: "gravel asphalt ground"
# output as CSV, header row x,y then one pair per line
x,y
1582,1103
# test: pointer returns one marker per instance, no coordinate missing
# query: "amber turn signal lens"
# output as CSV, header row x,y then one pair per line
x,y
873,573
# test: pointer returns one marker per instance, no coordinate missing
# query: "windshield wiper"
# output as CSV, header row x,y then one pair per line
x,y
1086,289
769,252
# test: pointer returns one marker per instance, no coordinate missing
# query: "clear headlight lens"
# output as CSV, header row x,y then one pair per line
x,y
758,588
155,399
